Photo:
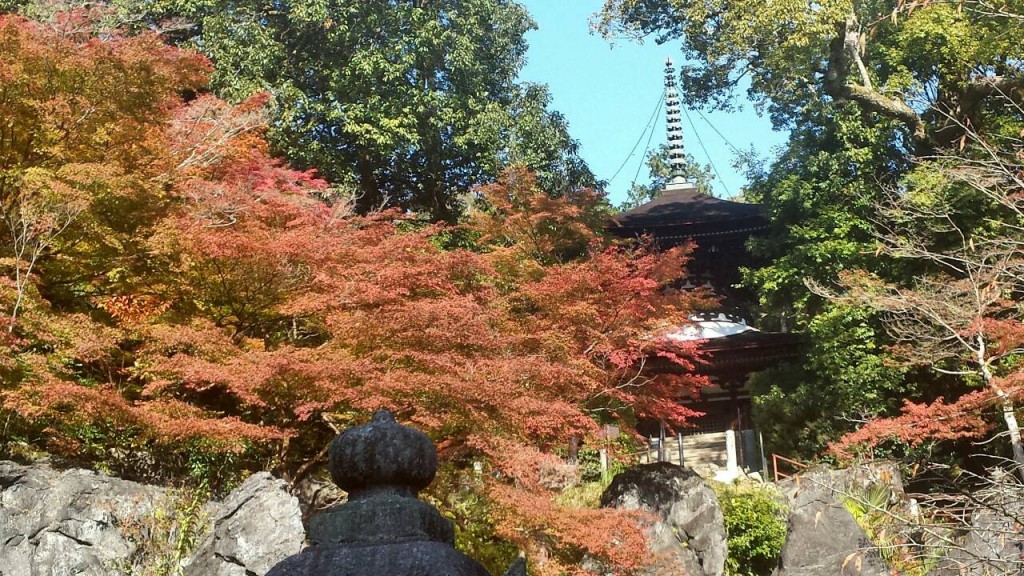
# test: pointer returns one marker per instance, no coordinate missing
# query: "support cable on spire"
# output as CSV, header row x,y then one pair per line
x,y
717,131
647,149
650,126
710,161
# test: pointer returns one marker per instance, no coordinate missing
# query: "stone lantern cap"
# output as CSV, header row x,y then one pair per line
x,y
382,456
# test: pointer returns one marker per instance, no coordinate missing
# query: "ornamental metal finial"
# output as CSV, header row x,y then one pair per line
x,y
674,128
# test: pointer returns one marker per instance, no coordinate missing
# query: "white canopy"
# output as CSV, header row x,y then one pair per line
x,y
705,329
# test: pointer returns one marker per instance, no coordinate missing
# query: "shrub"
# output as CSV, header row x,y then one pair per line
x,y
165,538
755,521
885,525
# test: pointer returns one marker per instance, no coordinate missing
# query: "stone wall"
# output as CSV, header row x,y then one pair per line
x,y
78,522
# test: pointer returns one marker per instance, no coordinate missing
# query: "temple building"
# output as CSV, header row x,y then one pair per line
x,y
724,441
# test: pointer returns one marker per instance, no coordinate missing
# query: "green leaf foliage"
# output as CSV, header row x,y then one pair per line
x,y
403,102
844,368
820,194
755,521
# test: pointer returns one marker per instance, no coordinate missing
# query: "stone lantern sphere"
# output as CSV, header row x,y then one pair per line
x,y
382,455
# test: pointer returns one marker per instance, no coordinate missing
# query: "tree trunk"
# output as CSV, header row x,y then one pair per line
x,y
370,197
844,50
1009,412
1010,416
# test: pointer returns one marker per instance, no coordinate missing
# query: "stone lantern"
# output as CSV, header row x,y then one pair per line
x,y
383,529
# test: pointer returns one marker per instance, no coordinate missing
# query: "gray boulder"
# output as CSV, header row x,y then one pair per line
x,y
993,544
823,537
72,522
691,530
78,522
258,525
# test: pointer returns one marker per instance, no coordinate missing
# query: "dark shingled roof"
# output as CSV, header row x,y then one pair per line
x,y
688,206
752,339
745,352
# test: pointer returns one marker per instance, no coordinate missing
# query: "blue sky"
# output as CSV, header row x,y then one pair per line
x,y
608,92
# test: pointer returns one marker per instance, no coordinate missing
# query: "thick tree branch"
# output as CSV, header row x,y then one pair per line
x,y
1010,88
844,50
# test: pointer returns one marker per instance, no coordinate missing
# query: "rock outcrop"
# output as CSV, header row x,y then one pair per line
x,y
258,525
993,545
824,538
78,522
691,529
71,522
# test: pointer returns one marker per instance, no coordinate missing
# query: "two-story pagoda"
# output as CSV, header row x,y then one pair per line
x,y
724,440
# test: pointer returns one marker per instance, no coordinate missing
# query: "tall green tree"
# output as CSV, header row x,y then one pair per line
x,y
407,103
917,63
820,194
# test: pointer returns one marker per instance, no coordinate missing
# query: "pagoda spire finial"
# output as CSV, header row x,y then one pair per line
x,y
674,128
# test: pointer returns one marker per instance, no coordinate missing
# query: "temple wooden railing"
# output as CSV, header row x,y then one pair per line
x,y
794,466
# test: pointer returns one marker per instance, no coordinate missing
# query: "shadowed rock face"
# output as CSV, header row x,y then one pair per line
x,y
690,532
823,538
384,528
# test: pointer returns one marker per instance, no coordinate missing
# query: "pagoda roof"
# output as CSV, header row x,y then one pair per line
x,y
687,206
743,352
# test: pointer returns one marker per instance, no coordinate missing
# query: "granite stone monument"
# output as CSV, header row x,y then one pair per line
x,y
383,529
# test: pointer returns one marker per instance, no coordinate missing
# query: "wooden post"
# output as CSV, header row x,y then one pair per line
x,y
764,461
661,441
731,463
679,440
740,456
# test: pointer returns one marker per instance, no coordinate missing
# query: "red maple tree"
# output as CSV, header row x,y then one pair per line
x,y
205,299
